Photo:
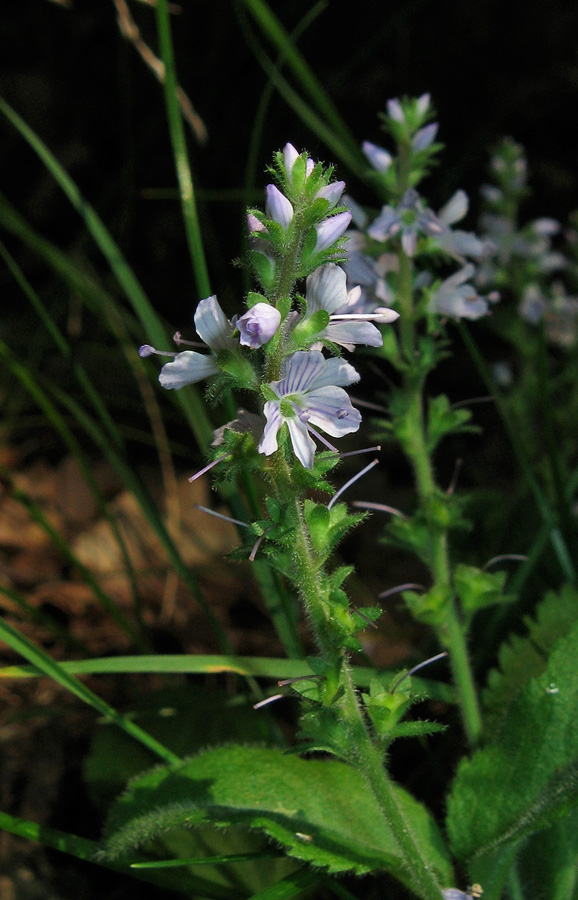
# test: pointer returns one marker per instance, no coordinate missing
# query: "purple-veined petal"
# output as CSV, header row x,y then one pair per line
x,y
187,367
330,230
326,289
278,207
268,443
212,325
258,325
379,158
348,333
330,409
301,371
254,224
302,442
336,372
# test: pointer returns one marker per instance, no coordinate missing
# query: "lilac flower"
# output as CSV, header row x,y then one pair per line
x,y
278,207
188,367
331,192
310,394
410,218
459,300
425,137
330,230
327,289
258,325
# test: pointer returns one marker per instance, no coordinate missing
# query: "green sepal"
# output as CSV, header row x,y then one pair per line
x,y
237,367
328,526
264,268
253,298
419,728
443,420
477,588
325,730
431,607
338,576
385,708
306,331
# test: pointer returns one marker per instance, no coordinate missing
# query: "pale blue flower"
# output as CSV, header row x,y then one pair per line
x,y
258,325
458,299
425,137
409,218
188,367
310,394
327,289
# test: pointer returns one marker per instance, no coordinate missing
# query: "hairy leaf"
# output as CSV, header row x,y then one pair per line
x,y
321,811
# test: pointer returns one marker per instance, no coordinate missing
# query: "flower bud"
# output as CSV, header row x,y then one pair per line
x,y
379,158
258,325
331,192
330,230
278,207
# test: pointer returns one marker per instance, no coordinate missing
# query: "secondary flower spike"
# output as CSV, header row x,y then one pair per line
x,y
310,394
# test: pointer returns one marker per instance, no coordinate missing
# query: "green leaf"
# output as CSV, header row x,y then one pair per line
x,y
522,658
477,588
442,420
528,776
322,812
548,864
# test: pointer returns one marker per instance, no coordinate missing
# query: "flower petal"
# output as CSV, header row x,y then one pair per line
x,y
268,443
187,367
336,372
348,333
330,230
330,409
258,325
301,371
278,207
326,289
212,325
303,443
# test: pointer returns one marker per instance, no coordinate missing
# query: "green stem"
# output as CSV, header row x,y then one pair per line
x,y
365,755
451,633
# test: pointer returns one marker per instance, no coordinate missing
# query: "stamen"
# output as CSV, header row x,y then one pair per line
x,y
518,557
352,481
419,666
257,544
219,515
367,619
454,481
147,350
380,507
401,587
303,416
208,467
359,452
368,405
181,341
268,700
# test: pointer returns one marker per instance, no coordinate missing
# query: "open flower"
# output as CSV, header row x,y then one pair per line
x,y
188,367
327,289
310,395
458,299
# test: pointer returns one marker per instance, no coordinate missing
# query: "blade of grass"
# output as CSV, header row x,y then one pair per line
x,y
90,851
47,666
206,860
273,29
192,407
255,666
291,886
179,145
352,158
547,513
